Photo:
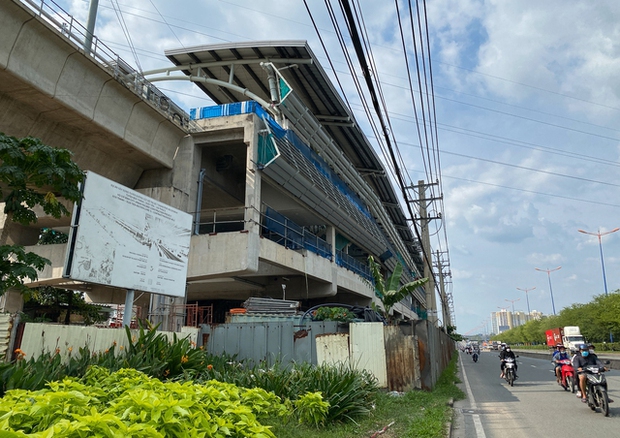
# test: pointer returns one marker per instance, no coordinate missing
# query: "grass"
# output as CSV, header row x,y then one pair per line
x,y
418,414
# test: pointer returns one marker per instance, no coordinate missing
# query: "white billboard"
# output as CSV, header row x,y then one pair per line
x,y
124,239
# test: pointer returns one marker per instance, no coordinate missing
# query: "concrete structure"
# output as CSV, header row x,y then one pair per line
x,y
299,223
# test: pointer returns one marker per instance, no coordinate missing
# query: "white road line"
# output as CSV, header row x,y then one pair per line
x,y
470,395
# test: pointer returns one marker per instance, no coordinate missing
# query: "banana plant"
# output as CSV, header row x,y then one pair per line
x,y
389,290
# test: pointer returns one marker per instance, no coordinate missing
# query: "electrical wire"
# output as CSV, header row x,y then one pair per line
x,y
125,29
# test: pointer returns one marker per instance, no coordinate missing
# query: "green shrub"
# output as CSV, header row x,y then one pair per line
x,y
311,409
340,314
130,404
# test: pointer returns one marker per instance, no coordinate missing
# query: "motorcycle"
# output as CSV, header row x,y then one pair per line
x,y
568,375
475,356
596,389
509,370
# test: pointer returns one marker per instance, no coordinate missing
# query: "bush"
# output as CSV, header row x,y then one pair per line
x,y
340,314
129,403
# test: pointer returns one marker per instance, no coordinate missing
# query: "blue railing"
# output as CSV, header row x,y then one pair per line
x,y
280,229
352,264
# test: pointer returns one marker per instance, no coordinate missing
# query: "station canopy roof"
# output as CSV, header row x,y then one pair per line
x,y
312,85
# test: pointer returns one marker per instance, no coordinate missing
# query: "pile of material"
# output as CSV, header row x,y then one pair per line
x,y
271,305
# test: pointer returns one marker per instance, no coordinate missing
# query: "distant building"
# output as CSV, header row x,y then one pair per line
x,y
505,320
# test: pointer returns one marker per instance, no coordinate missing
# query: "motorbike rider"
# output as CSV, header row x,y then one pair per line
x,y
581,362
559,355
505,354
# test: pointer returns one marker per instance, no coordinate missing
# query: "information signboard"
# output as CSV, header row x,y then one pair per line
x,y
124,239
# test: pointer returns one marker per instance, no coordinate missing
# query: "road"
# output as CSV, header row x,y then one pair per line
x,y
536,406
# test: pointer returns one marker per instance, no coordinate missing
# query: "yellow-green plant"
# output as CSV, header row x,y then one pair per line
x,y
311,408
128,403
390,291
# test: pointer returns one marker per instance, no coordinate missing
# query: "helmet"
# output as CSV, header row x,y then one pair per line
x,y
591,346
558,346
583,347
561,346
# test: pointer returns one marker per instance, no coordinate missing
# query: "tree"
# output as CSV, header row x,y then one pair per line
x,y
55,304
31,174
17,265
391,292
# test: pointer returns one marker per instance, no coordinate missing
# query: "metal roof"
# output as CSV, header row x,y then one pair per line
x,y
312,86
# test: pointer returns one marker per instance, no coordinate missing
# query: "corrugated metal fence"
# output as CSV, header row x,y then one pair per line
x,y
401,357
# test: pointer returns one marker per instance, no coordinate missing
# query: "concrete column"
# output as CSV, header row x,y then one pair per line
x,y
252,177
330,237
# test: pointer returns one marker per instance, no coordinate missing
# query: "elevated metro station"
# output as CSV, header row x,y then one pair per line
x,y
287,195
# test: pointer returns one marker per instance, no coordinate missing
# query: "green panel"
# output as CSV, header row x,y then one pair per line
x,y
267,150
341,242
284,89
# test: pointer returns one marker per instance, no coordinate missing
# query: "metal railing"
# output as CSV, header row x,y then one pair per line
x,y
221,220
281,230
354,265
55,16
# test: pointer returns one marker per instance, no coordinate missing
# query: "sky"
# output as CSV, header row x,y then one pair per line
x,y
527,100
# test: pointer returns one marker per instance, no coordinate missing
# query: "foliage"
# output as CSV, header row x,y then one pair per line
x,y
128,403
333,314
596,319
411,414
34,174
346,393
349,392
311,409
153,353
451,331
49,236
390,291
31,174
17,265
50,303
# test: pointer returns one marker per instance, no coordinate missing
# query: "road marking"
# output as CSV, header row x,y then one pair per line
x,y
470,395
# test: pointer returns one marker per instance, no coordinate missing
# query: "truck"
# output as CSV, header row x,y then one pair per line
x,y
572,338
554,336
569,336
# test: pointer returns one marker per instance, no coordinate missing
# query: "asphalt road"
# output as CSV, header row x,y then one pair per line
x,y
536,406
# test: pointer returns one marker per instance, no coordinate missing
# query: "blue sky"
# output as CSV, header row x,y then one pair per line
x,y
527,100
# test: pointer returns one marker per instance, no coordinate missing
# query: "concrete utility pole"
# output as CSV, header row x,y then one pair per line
x,y
429,287
445,307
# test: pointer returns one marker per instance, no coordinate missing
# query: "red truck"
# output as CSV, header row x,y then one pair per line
x,y
554,336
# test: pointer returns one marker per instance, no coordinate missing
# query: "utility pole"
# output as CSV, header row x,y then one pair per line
x,y
429,287
445,307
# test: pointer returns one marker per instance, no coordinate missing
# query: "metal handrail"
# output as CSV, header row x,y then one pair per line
x,y
70,28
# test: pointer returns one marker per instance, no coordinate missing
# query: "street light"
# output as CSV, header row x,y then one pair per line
x,y
526,290
549,271
513,303
600,245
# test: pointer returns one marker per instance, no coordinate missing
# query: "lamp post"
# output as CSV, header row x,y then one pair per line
x,y
512,315
600,245
549,271
526,290
513,303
